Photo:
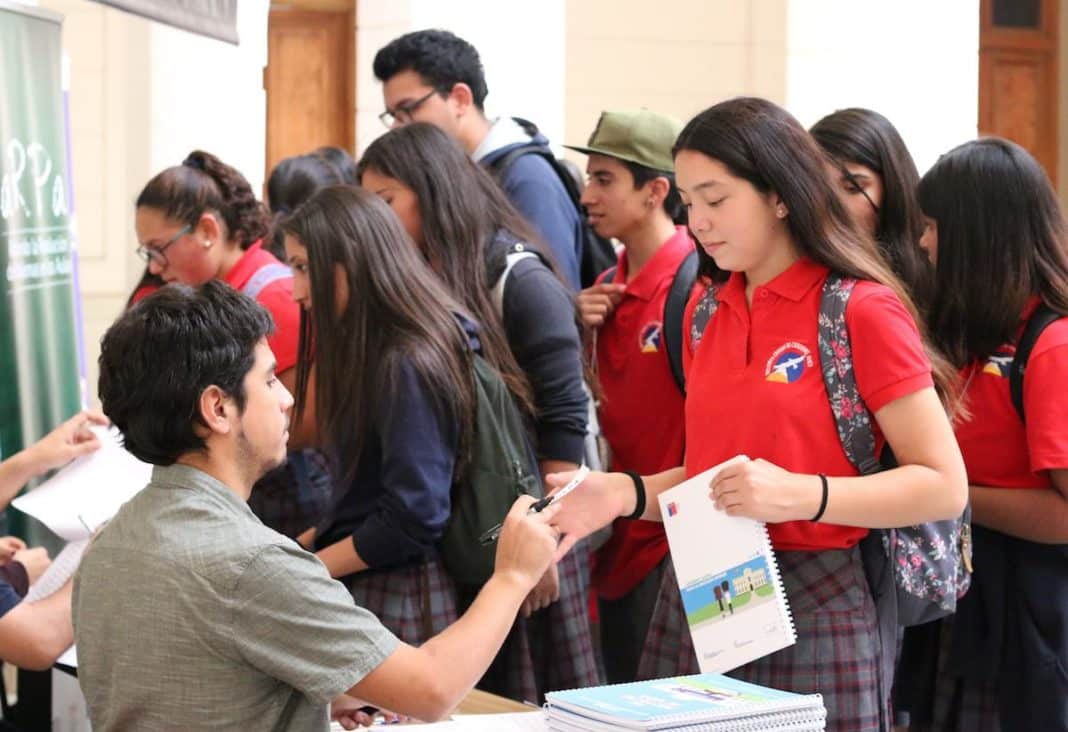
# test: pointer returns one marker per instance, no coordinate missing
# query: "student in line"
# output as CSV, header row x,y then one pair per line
x,y
434,76
189,613
876,181
292,182
996,234
200,221
630,196
34,634
771,230
453,213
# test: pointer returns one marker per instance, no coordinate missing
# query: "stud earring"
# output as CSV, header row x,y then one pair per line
x,y
780,212
207,243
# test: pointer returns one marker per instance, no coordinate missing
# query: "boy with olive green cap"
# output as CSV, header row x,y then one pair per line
x,y
635,311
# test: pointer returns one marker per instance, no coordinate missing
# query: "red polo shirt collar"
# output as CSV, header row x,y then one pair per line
x,y
663,263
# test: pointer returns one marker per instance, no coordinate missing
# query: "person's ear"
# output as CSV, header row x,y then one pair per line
x,y
657,190
462,98
209,230
214,408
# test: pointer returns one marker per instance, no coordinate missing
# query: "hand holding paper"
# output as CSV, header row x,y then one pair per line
x,y
82,496
763,491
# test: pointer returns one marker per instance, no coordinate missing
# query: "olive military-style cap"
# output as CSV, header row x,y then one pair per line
x,y
641,137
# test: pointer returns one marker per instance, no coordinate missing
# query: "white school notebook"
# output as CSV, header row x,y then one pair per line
x,y
735,604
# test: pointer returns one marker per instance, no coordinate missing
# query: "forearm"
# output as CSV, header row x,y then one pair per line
x,y
910,494
1039,514
341,558
15,472
459,655
654,486
33,635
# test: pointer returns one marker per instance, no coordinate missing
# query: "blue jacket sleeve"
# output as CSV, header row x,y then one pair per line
x,y
419,439
534,188
539,322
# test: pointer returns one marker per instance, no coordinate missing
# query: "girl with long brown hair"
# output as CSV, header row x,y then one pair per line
x,y
771,233
464,227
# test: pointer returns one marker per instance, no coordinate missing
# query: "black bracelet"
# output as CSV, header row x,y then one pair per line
x,y
639,489
823,501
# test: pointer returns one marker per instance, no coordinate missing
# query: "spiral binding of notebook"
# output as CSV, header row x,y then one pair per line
x,y
698,703
780,591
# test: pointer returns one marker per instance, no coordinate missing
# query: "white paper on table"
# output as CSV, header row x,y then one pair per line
x,y
532,721
57,574
434,727
85,494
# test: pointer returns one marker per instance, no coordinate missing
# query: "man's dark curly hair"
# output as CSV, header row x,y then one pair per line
x,y
161,354
441,58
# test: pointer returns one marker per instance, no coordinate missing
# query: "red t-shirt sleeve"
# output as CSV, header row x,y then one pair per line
x,y
889,360
278,299
1046,399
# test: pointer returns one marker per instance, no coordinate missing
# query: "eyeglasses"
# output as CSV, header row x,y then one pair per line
x,y
156,254
403,112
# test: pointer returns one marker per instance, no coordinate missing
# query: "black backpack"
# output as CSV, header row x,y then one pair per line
x,y
1041,319
502,468
598,254
674,309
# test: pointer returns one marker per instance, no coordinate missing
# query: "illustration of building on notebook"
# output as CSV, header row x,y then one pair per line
x,y
725,594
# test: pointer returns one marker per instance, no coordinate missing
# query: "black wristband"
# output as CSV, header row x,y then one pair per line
x,y
823,500
639,489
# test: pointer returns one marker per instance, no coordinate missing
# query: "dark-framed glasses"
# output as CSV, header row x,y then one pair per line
x,y
403,112
156,254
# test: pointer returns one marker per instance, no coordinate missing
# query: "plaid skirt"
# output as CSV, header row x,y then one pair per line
x,y
294,496
838,650
954,704
553,648
415,602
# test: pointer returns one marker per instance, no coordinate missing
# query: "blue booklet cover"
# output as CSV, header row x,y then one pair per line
x,y
682,699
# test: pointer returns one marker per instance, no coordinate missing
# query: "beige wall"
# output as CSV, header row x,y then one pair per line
x,y
675,58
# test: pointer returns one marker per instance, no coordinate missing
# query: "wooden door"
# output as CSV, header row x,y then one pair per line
x,y
309,79
1018,91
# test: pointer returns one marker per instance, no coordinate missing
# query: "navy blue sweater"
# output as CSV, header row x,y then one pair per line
x,y
397,506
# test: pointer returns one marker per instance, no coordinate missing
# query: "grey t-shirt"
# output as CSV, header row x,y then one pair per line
x,y
191,614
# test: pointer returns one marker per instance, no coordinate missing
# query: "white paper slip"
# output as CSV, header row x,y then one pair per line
x,y
532,721
85,494
69,657
735,604
61,570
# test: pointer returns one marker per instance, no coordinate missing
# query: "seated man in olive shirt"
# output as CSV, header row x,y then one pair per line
x,y
188,612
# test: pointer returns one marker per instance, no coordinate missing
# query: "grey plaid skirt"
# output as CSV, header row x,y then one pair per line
x,y
415,602
837,653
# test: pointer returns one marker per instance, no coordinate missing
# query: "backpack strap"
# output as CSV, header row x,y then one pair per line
x,y
851,415
1041,319
674,310
516,253
264,276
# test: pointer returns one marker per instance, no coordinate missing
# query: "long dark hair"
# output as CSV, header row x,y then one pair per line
x,y
764,145
1001,240
204,183
863,137
462,210
396,310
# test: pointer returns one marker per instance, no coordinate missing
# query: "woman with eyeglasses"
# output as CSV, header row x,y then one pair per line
x,y
876,181
200,221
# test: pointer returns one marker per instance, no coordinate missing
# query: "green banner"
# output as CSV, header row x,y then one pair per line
x,y
39,333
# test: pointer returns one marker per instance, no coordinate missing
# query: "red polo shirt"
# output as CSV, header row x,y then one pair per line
x,y
277,297
999,450
754,384
641,408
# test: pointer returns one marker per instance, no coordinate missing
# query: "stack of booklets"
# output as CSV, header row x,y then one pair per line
x,y
700,703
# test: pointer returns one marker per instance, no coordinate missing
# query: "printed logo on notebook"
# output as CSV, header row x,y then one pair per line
x,y
672,509
650,337
788,363
1000,363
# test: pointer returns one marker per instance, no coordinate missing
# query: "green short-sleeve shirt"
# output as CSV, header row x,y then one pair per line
x,y
191,614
